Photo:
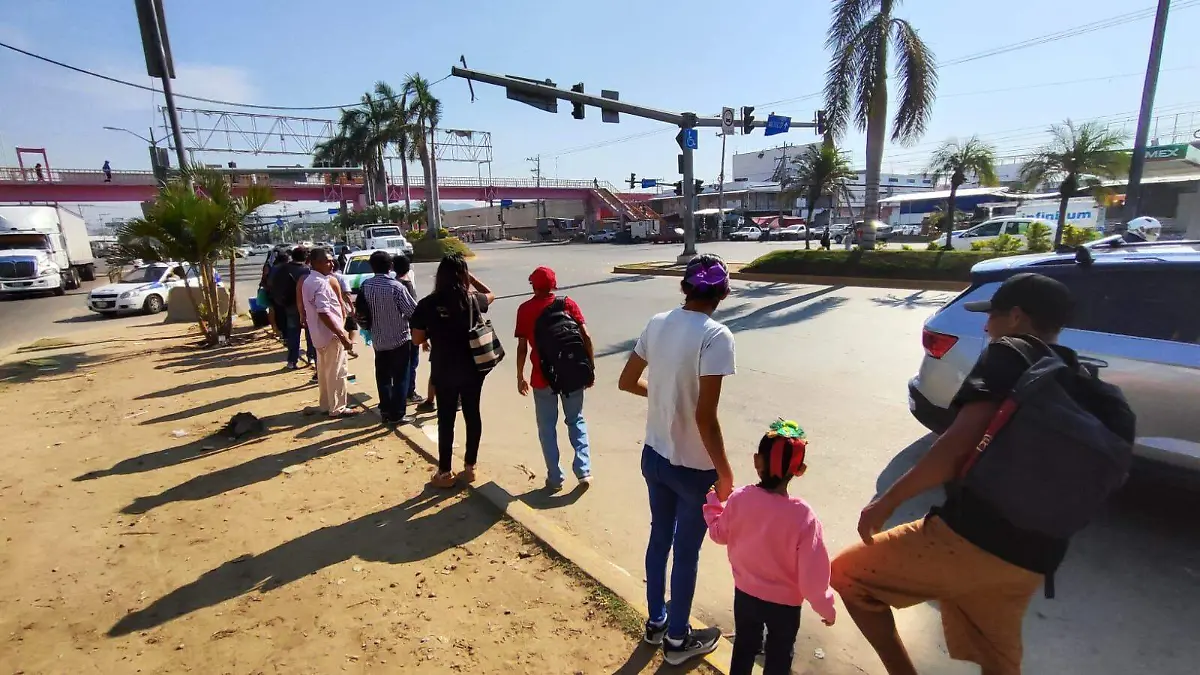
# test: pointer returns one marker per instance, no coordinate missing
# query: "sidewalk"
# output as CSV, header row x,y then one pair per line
x,y
138,538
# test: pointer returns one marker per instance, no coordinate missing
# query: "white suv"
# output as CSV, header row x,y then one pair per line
x,y
991,229
1136,320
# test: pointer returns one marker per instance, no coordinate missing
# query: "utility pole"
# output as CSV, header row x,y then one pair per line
x,y
537,176
159,63
1133,192
688,122
721,192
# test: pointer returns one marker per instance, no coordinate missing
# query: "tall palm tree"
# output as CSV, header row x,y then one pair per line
x,y
199,227
820,172
958,162
856,84
399,129
336,152
426,110
1078,156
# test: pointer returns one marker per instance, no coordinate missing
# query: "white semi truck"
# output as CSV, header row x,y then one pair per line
x,y
43,248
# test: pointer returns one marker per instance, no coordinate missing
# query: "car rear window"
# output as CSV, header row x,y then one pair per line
x,y
358,266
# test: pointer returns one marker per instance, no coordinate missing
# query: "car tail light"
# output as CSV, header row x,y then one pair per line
x,y
937,344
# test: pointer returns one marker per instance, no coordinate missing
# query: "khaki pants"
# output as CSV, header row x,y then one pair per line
x,y
982,598
331,378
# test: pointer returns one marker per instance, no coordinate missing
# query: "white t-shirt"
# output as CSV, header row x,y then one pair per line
x,y
681,346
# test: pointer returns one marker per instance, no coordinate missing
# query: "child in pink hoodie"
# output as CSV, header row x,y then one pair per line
x,y
777,551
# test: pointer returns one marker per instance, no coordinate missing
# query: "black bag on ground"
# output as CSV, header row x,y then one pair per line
x,y
562,354
1046,463
362,309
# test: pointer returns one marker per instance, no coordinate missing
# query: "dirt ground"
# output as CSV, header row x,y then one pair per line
x,y
139,540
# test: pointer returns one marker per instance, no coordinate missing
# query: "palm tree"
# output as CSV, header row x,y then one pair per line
x,y
198,227
857,82
821,171
426,111
336,152
958,161
399,129
1078,156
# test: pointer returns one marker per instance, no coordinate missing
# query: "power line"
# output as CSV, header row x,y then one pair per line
x,y
232,104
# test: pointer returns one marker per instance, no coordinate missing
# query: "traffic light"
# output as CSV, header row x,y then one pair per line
x,y
747,119
822,123
632,179
699,186
577,109
678,188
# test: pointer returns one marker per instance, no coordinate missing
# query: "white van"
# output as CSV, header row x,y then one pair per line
x,y
991,229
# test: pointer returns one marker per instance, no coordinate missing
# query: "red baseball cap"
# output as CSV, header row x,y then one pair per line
x,y
543,280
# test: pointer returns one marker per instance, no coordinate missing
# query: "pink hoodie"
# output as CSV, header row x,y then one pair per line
x,y
776,547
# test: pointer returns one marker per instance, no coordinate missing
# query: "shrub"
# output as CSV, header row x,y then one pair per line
x,y
1037,238
442,233
433,250
915,265
906,247
1077,236
1003,245
933,246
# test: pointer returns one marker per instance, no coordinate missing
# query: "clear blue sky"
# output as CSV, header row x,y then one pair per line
x,y
697,55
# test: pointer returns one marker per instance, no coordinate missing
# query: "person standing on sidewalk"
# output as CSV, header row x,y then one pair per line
x,y
324,310
563,366
391,307
402,272
445,318
689,355
285,282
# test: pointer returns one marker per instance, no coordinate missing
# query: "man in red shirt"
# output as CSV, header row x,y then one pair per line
x,y
571,371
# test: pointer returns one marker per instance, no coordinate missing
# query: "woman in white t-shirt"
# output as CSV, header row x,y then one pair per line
x,y
688,354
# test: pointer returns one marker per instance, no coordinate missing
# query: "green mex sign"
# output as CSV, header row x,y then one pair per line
x,y
1181,151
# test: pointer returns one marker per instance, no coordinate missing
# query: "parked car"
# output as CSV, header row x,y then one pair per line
x,y
144,289
751,233
260,249
989,230
601,236
358,266
1136,321
792,233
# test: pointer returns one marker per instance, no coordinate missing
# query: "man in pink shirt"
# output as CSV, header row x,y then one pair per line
x,y
777,551
326,321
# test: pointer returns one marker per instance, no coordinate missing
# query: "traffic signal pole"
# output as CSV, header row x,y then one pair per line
x,y
1133,192
533,92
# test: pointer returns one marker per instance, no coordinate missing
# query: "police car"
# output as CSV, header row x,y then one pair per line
x,y
144,289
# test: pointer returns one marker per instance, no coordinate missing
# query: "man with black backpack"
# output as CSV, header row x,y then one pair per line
x,y
563,365
1038,444
281,285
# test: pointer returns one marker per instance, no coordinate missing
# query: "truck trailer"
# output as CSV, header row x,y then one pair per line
x,y
43,249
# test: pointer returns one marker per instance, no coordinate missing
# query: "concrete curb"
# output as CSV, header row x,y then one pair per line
x,y
601,570
869,282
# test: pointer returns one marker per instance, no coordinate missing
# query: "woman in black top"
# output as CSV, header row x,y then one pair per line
x,y
445,318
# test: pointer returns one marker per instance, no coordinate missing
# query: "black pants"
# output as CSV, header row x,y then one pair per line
x,y
449,392
391,377
750,616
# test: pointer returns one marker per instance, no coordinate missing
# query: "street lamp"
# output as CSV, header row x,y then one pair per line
x,y
150,140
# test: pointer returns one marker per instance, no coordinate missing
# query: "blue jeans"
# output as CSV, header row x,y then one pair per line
x,y
289,324
412,371
545,405
677,496
391,378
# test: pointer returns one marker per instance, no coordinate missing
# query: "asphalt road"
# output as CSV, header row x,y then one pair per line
x,y
836,359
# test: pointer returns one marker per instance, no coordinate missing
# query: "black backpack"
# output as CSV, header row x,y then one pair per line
x,y
561,352
1047,464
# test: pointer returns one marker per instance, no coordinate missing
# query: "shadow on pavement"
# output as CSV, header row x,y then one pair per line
x,y
916,300
542,498
768,290
644,653
614,279
780,313
359,429
193,387
395,535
